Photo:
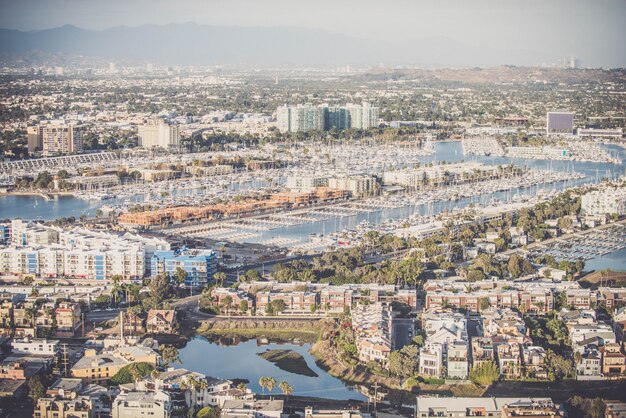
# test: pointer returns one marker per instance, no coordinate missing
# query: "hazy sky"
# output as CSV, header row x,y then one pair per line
x,y
592,29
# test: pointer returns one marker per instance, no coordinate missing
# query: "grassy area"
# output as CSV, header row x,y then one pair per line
x,y
609,278
289,361
269,333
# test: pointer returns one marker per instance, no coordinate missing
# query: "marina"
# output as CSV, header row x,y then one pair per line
x,y
586,245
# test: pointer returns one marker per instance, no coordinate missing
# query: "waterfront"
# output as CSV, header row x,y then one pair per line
x,y
226,362
292,232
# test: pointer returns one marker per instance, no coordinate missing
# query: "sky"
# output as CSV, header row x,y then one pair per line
x,y
593,30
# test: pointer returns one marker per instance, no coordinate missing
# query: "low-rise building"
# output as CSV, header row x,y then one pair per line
x,y
53,407
35,346
613,361
161,321
142,404
264,408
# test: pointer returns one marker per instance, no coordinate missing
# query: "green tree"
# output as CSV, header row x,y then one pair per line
x,y
160,288
485,374
131,373
36,388
278,306
208,412
169,354
243,306
180,275
219,278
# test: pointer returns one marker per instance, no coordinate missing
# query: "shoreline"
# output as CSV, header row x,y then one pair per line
x,y
44,195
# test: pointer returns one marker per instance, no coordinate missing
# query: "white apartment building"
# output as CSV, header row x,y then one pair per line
x,y
142,404
52,252
158,133
357,186
306,184
36,346
606,201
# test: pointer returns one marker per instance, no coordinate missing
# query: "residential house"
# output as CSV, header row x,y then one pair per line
x,y
161,321
68,319
613,361
457,360
482,351
535,362
509,360
431,360
589,367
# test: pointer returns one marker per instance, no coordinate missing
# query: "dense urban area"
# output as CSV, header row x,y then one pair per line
x,y
216,241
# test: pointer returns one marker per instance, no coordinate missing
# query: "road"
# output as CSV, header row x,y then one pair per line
x,y
99,316
402,332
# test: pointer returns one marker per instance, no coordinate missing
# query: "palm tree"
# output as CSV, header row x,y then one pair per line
x,y
270,383
286,388
219,278
263,383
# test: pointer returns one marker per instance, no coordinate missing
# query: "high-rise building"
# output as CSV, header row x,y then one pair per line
x,y
158,133
307,117
34,135
560,123
58,138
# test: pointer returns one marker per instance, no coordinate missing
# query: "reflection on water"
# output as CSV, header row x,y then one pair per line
x,y
240,361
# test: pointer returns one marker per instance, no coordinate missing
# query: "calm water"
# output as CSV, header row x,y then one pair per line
x,y
242,362
34,207
615,261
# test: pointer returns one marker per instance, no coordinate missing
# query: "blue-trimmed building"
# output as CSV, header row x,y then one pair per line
x,y
200,265
5,234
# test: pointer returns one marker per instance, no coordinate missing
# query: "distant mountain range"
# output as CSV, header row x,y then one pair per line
x,y
193,44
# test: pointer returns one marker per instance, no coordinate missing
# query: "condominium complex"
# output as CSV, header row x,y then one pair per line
x,y
158,133
560,123
200,265
302,118
54,138
52,252
607,201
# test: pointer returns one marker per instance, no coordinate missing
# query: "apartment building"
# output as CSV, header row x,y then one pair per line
x,y
297,302
156,404
100,368
609,200
53,407
35,346
158,133
200,265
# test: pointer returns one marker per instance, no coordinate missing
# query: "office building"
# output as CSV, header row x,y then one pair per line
x,y
158,133
560,123
200,265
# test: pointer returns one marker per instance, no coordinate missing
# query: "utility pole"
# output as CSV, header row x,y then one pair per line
x,y
375,396
64,359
